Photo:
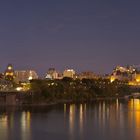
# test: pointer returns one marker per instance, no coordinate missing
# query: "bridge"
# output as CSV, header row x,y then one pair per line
x,y
133,95
12,97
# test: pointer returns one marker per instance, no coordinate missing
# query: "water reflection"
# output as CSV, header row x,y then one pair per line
x,y
11,128
134,116
26,125
81,117
77,117
72,118
3,126
98,120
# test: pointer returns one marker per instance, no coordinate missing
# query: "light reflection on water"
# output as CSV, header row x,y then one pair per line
x,y
134,116
98,120
72,118
81,118
26,125
3,126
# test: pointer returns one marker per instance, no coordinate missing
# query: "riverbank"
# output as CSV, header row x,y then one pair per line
x,y
50,103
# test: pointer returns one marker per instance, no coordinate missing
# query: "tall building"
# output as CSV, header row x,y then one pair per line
x,y
9,73
25,75
51,74
69,73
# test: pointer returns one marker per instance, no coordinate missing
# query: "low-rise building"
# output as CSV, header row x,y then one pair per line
x,y
135,80
69,73
87,75
52,74
122,73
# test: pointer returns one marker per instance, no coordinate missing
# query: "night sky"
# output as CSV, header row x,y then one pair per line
x,y
93,35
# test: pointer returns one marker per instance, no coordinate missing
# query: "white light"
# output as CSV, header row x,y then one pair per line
x,y
19,88
30,78
9,68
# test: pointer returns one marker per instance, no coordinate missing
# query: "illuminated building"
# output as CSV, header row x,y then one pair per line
x,y
25,75
69,73
1,75
135,80
52,74
9,73
5,85
87,75
122,73
137,77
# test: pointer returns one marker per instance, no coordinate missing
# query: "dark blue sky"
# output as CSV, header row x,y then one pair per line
x,y
91,35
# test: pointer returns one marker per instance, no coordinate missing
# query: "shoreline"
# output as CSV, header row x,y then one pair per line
x,y
51,103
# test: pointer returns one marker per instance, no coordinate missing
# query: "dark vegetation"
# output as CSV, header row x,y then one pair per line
x,y
68,89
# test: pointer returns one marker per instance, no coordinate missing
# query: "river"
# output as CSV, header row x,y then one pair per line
x,y
99,120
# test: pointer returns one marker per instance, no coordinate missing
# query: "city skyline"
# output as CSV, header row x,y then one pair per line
x,y
83,35
49,70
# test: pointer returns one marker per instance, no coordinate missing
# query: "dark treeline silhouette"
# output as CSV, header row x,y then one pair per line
x,y
68,89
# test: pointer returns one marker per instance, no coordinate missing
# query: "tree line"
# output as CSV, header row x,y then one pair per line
x,y
76,90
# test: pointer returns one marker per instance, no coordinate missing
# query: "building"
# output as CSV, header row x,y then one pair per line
x,y
87,75
52,74
9,73
122,73
69,73
5,85
25,75
135,79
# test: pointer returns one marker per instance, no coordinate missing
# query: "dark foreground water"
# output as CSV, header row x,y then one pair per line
x,y
101,120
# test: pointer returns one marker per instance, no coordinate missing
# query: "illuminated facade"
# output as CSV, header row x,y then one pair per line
x,y
51,74
9,73
87,75
69,73
122,73
25,75
135,80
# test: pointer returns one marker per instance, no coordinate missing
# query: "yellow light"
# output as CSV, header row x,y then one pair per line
x,y
134,83
11,74
19,88
112,79
7,74
131,83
